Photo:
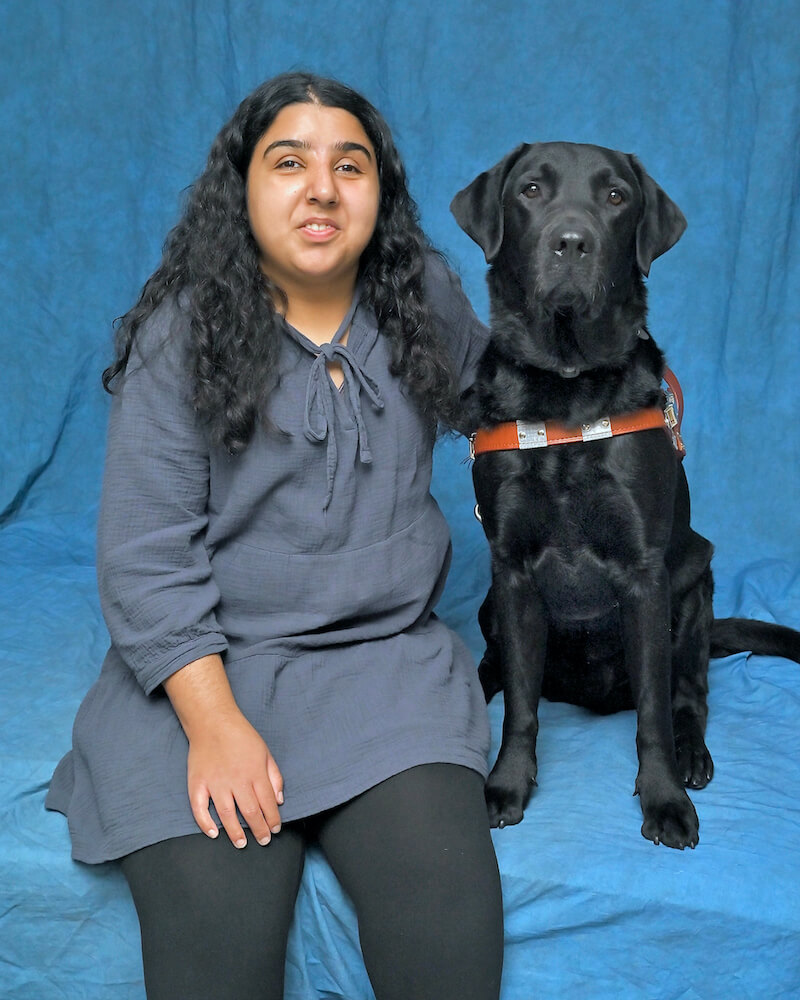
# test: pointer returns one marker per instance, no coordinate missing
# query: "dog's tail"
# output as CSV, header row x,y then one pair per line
x,y
739,635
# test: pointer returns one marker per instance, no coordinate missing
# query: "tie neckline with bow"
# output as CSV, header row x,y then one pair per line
x,y
318,418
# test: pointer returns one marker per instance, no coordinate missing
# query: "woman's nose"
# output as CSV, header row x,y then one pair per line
x,y
322,185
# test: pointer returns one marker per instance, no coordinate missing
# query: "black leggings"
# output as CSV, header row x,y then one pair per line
x,y
415,856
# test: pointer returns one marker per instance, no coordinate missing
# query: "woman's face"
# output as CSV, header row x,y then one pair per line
x,y
312,198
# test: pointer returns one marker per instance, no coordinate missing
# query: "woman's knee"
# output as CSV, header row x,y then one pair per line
x,y
215,920
416,856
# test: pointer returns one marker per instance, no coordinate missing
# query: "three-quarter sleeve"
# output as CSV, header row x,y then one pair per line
x,y
464,334
156,588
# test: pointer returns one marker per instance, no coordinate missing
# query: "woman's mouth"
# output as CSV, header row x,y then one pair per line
x,y
319,229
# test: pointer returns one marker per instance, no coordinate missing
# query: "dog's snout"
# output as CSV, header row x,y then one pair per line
x,y
569,262
571,242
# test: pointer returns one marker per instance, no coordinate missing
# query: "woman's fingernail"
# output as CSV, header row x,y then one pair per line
x,y
276,829
264,841
279,798
212,832
240,843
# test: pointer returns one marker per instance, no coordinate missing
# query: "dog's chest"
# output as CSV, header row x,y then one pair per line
x,y
580,551
587,513
576,518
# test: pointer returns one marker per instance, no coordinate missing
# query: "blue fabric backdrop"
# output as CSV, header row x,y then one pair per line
x,y
107,112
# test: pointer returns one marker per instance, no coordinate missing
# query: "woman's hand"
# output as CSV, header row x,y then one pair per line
x,y
229,762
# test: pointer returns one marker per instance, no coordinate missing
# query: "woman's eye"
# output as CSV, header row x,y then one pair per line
x,y
615,197
348,168
288,163
532,190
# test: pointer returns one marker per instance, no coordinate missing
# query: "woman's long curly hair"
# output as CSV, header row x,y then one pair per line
x,y
212,257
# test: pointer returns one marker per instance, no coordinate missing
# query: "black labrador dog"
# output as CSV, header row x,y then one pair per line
x,y
601,592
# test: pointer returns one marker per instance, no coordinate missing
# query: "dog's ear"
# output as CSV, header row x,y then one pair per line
x,y
478,208
662,222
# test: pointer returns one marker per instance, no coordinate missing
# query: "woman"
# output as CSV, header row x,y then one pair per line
x,y
269,556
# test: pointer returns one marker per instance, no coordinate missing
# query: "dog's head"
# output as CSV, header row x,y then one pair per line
x,y
569,230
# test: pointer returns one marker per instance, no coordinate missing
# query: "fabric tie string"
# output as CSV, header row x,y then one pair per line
x,y
318,419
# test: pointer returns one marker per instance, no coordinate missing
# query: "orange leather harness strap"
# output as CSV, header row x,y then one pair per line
x,y
523,434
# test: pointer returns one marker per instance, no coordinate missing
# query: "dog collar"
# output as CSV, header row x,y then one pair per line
x,y
523,434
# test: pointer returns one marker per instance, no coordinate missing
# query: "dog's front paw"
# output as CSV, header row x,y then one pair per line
x,y
695,766
671,821
505,806
507,794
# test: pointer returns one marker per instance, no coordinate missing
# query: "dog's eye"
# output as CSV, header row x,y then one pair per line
x,y
615,197
532,190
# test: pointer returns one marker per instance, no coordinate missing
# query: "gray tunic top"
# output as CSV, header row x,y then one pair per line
x,y
312,562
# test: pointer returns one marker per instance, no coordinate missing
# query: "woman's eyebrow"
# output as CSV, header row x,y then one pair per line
x,y
354,147
291,143
344,146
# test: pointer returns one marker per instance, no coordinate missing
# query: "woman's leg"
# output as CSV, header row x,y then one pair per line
x,y
416,857
215,920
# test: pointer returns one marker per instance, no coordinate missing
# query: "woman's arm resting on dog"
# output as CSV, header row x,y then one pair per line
x,y
228,761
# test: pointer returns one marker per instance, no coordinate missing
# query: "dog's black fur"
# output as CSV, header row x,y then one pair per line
x,y
601,592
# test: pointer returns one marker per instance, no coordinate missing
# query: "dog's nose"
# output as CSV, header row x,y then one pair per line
x,y
571,242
